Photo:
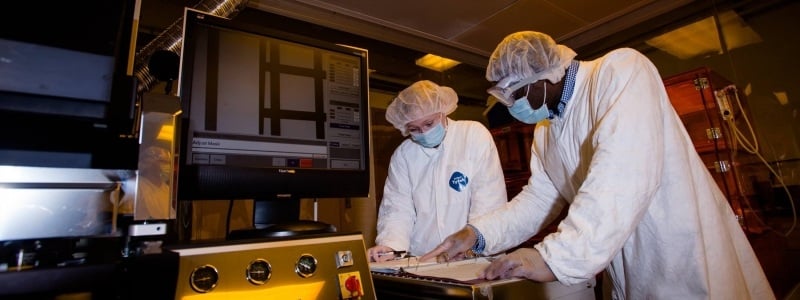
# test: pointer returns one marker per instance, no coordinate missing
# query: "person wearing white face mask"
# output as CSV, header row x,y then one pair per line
x,y
610,148
446,174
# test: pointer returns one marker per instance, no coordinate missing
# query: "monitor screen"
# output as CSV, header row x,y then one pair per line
x,y
270,114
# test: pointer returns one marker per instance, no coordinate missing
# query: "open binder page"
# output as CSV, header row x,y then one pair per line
x,y
395,265
466,270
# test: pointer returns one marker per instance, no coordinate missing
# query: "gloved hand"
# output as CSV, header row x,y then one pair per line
x,y
524,263
453,247
380,253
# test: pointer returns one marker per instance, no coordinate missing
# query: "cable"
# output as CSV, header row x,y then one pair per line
x,y
739,138
751,146
116,201
228,219
316,208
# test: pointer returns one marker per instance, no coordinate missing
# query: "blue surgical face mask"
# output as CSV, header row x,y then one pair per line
x,y
430,138
522,111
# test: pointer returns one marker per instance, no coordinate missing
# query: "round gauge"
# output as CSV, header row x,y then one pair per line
x,y
204,278
306,266
259,271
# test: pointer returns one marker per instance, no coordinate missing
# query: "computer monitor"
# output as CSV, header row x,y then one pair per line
x,y
270,115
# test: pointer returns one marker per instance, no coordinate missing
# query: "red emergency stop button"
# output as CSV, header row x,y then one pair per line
x,y
350,285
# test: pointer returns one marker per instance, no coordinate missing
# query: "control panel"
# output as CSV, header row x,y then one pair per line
x,y
324,266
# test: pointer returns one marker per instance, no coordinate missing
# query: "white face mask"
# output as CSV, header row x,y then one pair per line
x,y
522,110
432,137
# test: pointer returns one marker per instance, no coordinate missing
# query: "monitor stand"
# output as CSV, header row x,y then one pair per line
x,y
279,217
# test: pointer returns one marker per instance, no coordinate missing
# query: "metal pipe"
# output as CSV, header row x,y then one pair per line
x,y
172,37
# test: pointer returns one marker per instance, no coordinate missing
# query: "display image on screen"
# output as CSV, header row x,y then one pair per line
x,y
264,102
272,104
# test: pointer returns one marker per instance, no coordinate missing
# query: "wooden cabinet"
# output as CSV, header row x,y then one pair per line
x,y
712,110
513,143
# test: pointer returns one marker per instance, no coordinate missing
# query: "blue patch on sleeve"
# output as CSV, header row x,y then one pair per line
x,y
458,181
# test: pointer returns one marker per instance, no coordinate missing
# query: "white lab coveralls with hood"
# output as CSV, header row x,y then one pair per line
x,y
431,193
642,204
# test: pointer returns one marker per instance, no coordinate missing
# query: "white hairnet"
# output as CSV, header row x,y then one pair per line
x,y
421,99
529,54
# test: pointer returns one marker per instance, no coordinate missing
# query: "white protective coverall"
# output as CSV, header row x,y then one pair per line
x,y
431,193
641,202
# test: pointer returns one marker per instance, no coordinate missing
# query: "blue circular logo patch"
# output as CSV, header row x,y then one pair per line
x,y
458,181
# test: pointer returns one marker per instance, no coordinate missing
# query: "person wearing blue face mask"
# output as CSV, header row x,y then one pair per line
x,y
521,108
447,173
609,148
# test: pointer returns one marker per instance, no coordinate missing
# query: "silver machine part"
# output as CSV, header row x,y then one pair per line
x,y
53,202
155,188
42,202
